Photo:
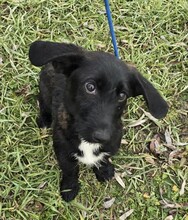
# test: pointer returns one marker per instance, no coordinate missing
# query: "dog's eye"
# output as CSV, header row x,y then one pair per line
x,y
90,87
122,96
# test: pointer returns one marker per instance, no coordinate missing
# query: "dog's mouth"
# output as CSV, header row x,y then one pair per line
x,y
88,140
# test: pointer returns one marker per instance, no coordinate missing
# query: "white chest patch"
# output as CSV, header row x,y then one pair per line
x,y
89,157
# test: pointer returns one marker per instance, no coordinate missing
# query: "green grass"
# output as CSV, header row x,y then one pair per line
x,y
151,34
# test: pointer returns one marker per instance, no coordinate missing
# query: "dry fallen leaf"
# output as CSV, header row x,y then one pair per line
x,y
107,204
42,185
183,161
124,174
172,205
119,180
182,190
181,144
170,217
175,154
126,214
155,145
168,137
168,140
155,120
122,28
102,12
173,212
101,46
137,122
89,26
38,206
149,159
1,60
123,41
123,141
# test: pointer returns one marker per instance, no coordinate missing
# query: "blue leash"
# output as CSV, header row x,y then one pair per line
x,y
110,22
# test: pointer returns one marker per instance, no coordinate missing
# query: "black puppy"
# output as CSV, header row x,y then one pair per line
x,y
83,95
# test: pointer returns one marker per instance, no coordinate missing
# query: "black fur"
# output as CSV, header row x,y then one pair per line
x,y
83,95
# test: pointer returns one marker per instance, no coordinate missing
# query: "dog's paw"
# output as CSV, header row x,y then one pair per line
x,y
69,190
104,173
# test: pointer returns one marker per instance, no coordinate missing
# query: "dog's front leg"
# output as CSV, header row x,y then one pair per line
x,y
105,171
69,185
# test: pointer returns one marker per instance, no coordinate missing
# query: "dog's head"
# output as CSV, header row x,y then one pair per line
x,y
98,86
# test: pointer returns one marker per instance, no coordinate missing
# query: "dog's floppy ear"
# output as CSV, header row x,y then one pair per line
x,y
140,86
63,56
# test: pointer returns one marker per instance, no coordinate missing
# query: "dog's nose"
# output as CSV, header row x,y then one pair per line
x,y
101,135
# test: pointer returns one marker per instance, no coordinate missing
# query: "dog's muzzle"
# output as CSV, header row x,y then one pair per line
x,y
101,136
